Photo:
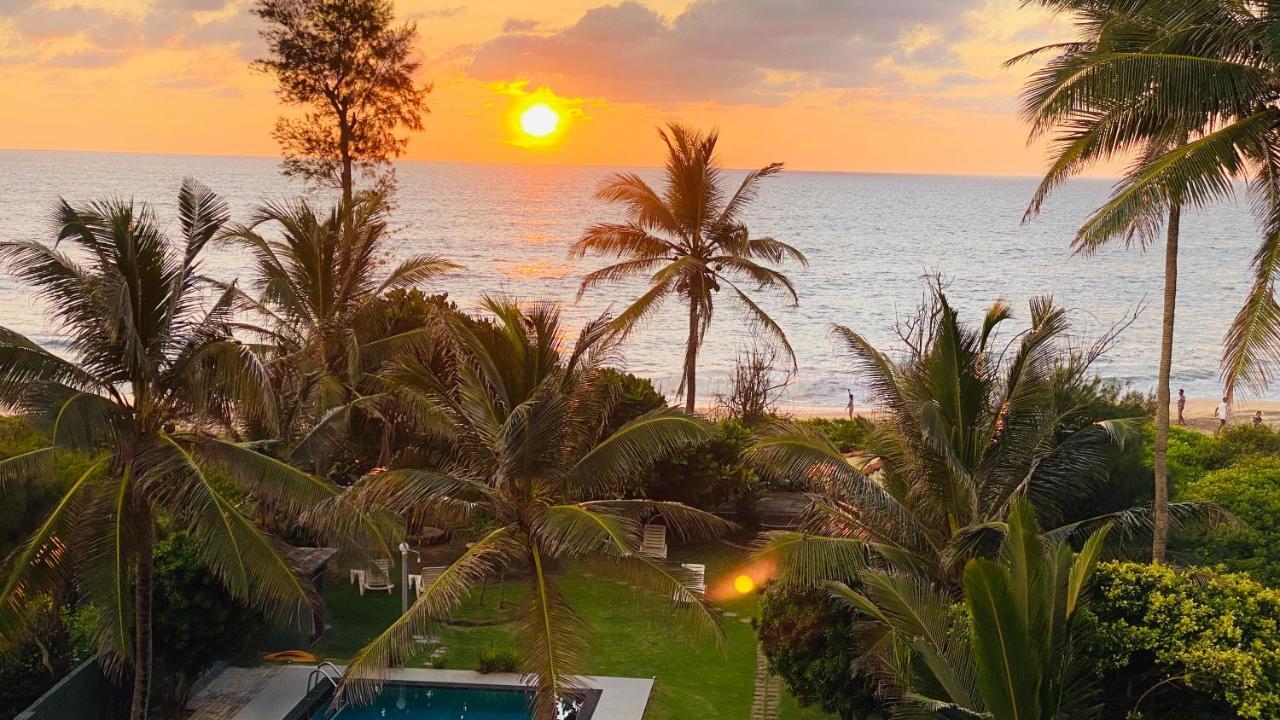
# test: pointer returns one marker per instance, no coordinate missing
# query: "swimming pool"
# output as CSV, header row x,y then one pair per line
x,y
435,701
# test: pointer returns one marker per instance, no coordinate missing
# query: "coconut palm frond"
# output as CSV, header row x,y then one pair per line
x,y
395,645
29,569
416,270
24,466
552,638
805,559
687,234
272,481
249,564
1131,529
685,523
635,447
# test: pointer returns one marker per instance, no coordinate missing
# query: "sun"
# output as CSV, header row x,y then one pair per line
x,y
539,120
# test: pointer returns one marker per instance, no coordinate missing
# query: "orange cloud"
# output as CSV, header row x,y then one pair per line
x,y
745,51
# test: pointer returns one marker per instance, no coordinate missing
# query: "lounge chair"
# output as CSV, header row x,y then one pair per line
x,y
696,584
377,577
654,541
428,576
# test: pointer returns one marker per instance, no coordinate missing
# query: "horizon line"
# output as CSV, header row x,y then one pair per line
x,y
788,170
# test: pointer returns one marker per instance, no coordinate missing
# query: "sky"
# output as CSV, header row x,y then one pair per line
x,y
840,85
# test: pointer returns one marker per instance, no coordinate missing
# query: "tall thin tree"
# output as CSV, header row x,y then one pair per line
x,y
1128,88
353,70
691,240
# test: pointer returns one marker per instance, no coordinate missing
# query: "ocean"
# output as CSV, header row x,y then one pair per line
x,y
871,239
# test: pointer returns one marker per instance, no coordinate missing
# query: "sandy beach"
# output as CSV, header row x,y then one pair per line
x,y
1198,412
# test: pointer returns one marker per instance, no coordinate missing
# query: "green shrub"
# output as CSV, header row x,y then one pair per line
x,y
810,642
1193,454
26,502
635,397
497,660
196,622
844,434
1250,490
1216,635
709,475
1088,399
1238,471
30,665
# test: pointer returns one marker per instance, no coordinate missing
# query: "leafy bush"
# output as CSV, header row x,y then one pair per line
x,y
844,434
497,660
1129,479
196,622
1250,490
1195,639
636,396
1193,454
1239,471
709,475
810,643
27,501
58,643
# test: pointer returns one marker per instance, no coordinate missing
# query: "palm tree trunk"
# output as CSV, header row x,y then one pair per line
x,y
142,618
387,445
1160,504
691,358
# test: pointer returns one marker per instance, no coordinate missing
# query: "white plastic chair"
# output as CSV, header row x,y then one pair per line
x,y
697,582
429,575
654,541
377,577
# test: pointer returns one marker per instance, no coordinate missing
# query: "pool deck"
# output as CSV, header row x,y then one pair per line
x,y
269,692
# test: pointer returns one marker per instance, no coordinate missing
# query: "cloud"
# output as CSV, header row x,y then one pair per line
x,y
730,51
115,36
519,25
961,78
86,59
9,8
238,30
439,13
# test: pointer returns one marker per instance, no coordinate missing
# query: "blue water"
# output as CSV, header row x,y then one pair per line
x,y
869,238
415,702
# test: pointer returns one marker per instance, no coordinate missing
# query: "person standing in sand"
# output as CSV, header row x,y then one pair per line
x,y
1257,418
849,407
1182,404
1223,413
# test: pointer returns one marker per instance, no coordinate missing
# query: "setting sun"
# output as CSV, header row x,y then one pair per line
x,y
539,120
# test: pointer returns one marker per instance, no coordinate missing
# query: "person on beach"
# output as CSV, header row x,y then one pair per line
x,y
849,407
1257,418
1222,412
1182,404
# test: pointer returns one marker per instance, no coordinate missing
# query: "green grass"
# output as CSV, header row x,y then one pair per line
x,y
634,636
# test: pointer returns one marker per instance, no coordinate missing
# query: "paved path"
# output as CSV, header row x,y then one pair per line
x,y
230,691
764,703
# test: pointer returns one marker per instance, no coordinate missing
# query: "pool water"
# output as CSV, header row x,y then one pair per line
x,y
410,702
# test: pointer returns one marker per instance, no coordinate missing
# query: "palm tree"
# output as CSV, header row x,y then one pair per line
x,y
525,419
1188,88
1013,656
313,285
969,428
692,240
148,370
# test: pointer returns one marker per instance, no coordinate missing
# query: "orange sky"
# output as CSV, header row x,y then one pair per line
x,y
863,85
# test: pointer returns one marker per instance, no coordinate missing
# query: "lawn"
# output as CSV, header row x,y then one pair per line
x,y
635,636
